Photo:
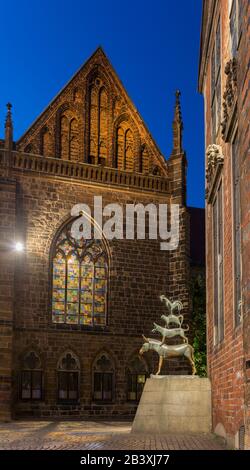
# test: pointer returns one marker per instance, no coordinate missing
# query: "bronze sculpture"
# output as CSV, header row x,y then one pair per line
x,y
164,350
172,306
170,332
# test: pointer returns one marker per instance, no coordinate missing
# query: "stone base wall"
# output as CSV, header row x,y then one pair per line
x,y
178,404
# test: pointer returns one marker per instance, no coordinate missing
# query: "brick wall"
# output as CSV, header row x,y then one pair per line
x,y
7,263
226,361
139,273
244,139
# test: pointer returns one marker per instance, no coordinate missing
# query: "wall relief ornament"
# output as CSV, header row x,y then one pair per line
x,y
230,95
214,157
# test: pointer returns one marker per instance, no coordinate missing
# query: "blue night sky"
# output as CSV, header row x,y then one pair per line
x,y
152,45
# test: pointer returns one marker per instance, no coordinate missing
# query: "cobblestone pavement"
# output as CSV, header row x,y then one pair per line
x,y
95,435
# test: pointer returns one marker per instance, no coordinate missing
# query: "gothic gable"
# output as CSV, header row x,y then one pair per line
x,y
93,120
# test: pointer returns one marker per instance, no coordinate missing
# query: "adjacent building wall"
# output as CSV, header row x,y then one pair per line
x,y
227,359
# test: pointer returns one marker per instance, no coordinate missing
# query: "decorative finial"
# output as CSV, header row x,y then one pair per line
x,y
177,114
8,121
177,125
8,128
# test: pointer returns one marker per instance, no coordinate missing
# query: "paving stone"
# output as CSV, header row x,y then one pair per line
x,y
82,435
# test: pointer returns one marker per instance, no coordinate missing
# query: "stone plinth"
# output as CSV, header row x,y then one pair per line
x,y
174,404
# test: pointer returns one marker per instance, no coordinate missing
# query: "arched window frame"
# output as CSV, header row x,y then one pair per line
x,y
69,135
125,122
136,375
29,148
70,111
46,131
126,130
68,378
98,86
103,253
103,378
31,377
144,161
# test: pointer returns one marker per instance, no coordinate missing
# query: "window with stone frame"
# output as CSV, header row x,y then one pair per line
x,y
31,386
79,280
235,21
136,374
68,378
237,230
103,378
216,84
218,261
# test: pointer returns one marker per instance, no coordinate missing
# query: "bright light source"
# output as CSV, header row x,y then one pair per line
x,y
19,246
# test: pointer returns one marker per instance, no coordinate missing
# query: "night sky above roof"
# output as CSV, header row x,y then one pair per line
x,y
153,46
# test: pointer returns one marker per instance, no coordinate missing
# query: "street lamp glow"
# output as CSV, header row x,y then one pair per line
x,y
19,246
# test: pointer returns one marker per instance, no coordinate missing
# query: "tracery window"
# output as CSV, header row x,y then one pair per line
x,y
103,378
31,377
68,377
124,148
79,285
136,377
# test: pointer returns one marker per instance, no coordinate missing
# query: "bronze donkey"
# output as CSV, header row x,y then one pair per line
x,y
165,351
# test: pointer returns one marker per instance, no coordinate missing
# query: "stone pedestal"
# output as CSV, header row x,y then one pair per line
x,y
174,404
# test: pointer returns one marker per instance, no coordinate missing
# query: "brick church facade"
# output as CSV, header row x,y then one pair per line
x,y
72,312
224,81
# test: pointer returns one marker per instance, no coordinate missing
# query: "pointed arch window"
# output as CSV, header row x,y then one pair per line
x,y
69,138
136,373
80,276
68,371
103,378
98,123
31,377
29,149
124,148
144,160
46,143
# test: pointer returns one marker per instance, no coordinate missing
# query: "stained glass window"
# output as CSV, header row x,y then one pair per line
x,y
80,273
